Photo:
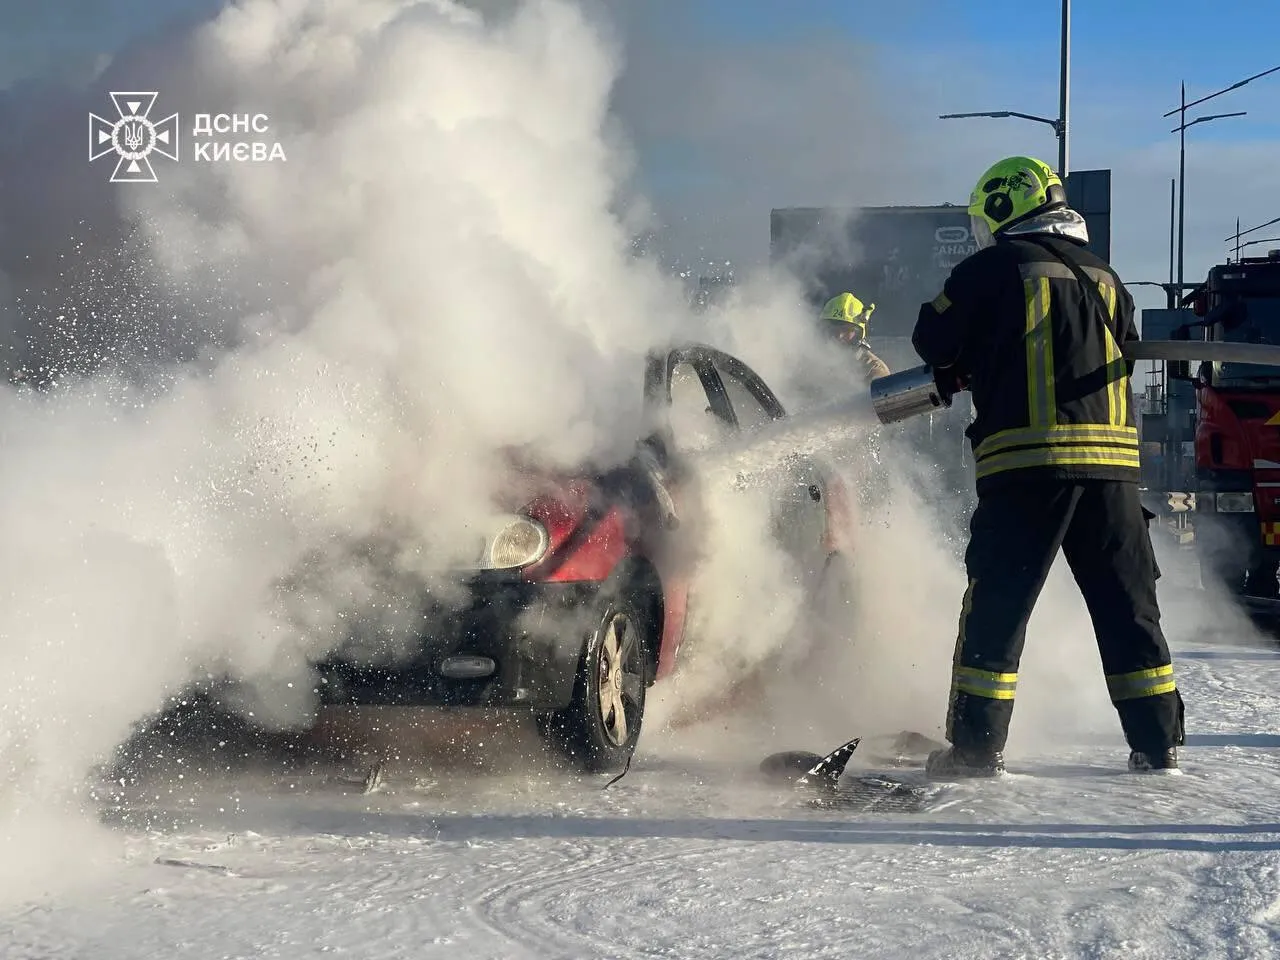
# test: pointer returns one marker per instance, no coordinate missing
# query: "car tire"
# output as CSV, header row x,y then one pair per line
x,y
599,729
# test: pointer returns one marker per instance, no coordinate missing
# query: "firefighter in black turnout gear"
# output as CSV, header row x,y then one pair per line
x,y
1032,325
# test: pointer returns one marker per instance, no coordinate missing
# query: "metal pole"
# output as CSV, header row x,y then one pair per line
x,y
1173,203
1237,238
1171,449
1064,89
1182,183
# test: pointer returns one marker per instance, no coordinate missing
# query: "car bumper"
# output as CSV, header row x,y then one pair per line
x,y
516,645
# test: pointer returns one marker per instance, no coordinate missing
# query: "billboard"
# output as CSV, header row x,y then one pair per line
x,y
895,257
1089,194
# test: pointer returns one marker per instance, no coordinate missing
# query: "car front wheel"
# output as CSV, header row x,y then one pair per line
x,y
600,727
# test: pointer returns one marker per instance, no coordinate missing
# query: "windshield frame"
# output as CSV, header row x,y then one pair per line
x,y
1259,323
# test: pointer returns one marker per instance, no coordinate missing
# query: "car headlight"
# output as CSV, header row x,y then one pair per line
x,y
517,542
1234,502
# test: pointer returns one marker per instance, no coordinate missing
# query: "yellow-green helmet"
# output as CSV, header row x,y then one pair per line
x,y
846,308
1011,191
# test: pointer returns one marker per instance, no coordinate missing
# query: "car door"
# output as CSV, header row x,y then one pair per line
x,y
685,411
799,520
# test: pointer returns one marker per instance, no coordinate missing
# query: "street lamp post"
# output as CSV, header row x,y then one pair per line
x,y
1059,124
1181,130
1064,88
1173,295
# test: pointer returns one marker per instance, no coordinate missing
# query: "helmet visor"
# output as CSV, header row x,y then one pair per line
x,y
981,232
845,329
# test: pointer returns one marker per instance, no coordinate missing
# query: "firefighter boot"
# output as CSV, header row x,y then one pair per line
x,y
1157,761
957,763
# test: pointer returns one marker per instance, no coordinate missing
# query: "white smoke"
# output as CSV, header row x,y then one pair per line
x,y
436,274
291,398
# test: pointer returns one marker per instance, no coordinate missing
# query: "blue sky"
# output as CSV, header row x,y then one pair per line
x,y
1128,57
1147,45
925,57
1139,50
904,62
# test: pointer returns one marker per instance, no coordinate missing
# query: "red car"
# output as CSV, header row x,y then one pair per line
x,y
583,595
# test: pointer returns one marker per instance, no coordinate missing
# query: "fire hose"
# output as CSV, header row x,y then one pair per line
x,y
914,391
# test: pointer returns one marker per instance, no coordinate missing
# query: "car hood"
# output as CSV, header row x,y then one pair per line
x,y
524,477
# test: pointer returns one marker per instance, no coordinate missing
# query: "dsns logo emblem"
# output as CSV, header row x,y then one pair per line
x,y
133,137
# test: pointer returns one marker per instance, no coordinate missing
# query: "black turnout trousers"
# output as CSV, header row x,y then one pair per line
x,y
1015,534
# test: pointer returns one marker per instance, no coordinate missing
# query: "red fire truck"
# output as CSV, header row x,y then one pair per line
x,y
1237,430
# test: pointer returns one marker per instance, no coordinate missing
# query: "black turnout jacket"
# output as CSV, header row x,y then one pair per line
x,y
1041,354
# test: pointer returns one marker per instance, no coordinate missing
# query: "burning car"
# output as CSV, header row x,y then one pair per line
x,y
582,595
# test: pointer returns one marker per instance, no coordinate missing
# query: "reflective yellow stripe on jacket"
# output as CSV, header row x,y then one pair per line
x,y
1064,444
1118,373
1045,441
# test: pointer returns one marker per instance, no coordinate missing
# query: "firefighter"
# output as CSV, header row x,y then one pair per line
x,y
847,318
1032,325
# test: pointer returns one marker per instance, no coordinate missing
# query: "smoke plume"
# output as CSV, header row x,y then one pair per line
x,y
255,400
